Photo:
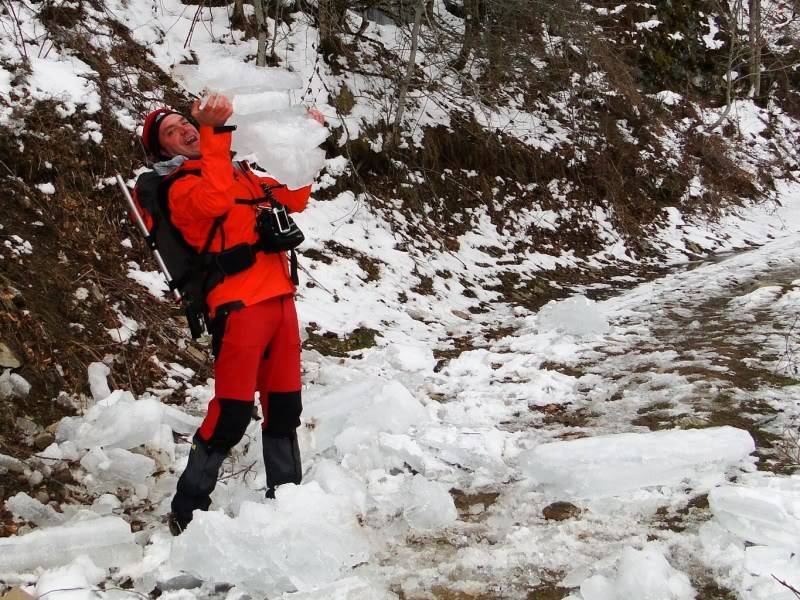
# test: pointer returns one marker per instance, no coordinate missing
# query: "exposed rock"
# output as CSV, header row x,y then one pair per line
x,y
692,422
694,248
184,581
26,426
561,511
43,440
8,359
63,475
196,353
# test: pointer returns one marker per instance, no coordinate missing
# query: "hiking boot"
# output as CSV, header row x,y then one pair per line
x,y
197,481
176,524
281,460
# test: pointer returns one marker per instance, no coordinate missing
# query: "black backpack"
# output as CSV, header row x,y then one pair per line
x,y
194,274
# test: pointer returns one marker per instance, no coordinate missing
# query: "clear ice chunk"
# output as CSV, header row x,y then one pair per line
x,y
107,541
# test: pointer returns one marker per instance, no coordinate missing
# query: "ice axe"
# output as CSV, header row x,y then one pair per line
x,y
137,217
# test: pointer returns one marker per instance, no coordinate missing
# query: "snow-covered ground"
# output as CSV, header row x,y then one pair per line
x,y
545,414
417,479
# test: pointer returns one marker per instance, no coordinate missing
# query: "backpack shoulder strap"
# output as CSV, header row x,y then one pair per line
x,y
202,262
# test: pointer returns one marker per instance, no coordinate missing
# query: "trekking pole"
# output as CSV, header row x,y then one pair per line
x,y
134,210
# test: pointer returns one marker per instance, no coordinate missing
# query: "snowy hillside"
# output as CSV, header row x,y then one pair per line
x,y
514,386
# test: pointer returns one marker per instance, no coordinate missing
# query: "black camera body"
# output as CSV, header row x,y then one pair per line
x,y
277,231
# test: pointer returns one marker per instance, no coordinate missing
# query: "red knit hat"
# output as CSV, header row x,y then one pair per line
x,y
150,131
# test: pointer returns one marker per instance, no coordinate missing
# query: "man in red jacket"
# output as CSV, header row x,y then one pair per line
x,y
254,325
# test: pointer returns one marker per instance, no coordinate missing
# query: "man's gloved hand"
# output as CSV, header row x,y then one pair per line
x,y
214,110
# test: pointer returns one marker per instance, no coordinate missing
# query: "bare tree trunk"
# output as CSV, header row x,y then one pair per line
x,y
278,16
755,47
471,16
238,19
735,14
327,36
261,22
406,82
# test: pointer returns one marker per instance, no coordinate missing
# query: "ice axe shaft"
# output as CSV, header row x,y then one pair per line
x,y
137,217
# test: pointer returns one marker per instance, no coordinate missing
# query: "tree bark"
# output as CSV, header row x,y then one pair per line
x,y
406,82
237,16
261,23
278,16
735,14
755,47
471,16
331,22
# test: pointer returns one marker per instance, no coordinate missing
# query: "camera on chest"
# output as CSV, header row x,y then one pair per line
x,y
277,231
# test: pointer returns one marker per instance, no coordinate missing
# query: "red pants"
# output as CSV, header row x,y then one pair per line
x,y
259,350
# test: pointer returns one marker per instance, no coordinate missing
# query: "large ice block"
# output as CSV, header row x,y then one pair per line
x,y
641,574
232,76
576,316
118,421
613,464
107,541
305,539
368,406
291,127
349,588
116,468
76,581
259,103
22,506
179,421
429,505
765,511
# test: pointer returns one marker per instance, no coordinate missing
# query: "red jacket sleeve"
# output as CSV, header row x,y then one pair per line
x,y
206,197
294,200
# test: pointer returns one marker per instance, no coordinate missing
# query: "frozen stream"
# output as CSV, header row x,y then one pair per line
x,y
693,351
630,448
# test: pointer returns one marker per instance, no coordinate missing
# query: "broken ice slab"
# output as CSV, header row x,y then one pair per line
x,y
765,510
98,380
640,574
306,538
577,316
370,405
428,505
107,541
260,103
610,465
179,421
117,468
22,506
231,76
118,421
349,588
76,581
296,167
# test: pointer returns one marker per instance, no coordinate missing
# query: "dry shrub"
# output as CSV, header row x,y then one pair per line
x,y
617,70
725,180
76,232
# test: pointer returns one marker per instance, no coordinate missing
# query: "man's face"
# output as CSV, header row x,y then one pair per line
x,y
177,136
